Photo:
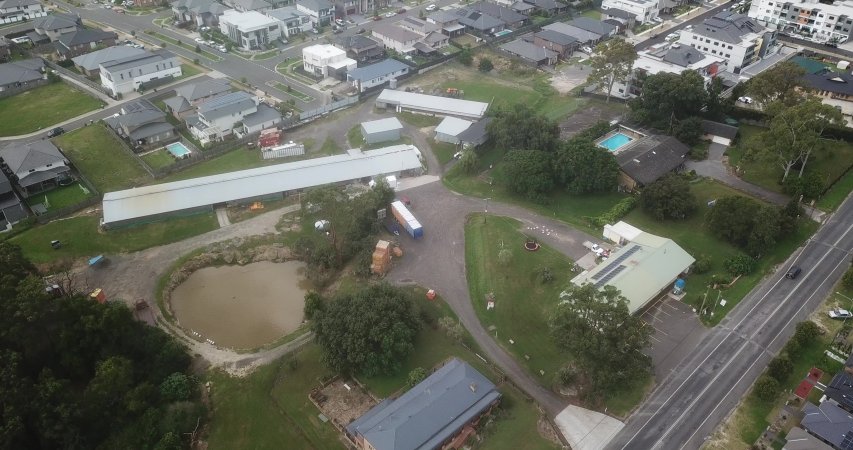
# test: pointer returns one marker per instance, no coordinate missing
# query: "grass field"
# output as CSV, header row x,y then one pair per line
x,y
443,151
42,108
330,147
61,196
837,193
98,154
419,120
830,164
239,159
265,55
354,137
292,92
80,236
159,158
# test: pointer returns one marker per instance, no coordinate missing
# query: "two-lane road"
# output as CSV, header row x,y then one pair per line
x,y
686,407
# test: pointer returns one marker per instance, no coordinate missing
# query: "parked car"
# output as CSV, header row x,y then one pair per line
x,y
747,100
840,314
431,7
55,132
339,22
390,14
360,31
199,40
587,49
672,37
401,11
793,272
688,27
377,17
222,48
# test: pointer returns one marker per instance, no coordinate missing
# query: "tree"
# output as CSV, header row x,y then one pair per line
x,y
765,230
520,128
598,333
731,218
464,57
416,376
15,268
485,65
368,331
780,368
314,304
583,167
717,105
766,388
612,61
777,84
176,387
667,98
669,197
688,130
528,173
452,328
468,161
740,265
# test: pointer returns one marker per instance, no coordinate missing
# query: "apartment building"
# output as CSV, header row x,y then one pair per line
x,y
819,21
737,38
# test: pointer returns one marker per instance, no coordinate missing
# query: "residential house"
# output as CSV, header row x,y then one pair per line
x,y
645,159
362,48
202,13
90,63
737,38
531,53
812,20
125,75
829,423
432,38
829,85
627,19
840,388
377,74
35,166
562,44
448,21
475,135
143,125
83,41
261,6
324,60
320,11
12,209
17,10
250,30
190,96
549,6
421,27
449,129
432,42
506,15
17,74
523,8
718,133
583,35
396,38
439,412
344,8
641,11
265,117
293,20
223,115
56,24
478,23
597,27
799,439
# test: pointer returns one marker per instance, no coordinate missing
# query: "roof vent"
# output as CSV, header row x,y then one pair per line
x,y
473,387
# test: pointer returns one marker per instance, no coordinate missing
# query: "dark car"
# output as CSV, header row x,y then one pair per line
x,y
55,132
793,272
360,31
377,17
401,11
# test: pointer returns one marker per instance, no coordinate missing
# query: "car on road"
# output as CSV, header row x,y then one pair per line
x,y
199,40
747,100
222,48
401,11
793,272
340,22
672,37
840,314
587,49
360,31
390,14
688,27
55,132
431,7
377,17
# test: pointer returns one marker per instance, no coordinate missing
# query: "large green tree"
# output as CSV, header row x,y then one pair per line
x,y
367,332
520,128
528,173
746,223
669,198
667,98
777,85
583,167
612,61
603,339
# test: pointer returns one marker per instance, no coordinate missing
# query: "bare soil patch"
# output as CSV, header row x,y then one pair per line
x,y
343,401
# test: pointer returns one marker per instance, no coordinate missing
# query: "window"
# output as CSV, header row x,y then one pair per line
x,y
121,75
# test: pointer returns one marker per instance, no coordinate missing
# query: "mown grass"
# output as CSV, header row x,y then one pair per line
x,y
159,159
43,107
99,156
62,196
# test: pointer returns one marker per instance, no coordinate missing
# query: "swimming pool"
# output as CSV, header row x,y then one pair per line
x,y
178,150
615,141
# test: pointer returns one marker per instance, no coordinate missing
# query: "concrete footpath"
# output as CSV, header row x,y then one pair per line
x,y
585,429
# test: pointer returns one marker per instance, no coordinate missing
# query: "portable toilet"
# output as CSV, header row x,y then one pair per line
x,y
678,288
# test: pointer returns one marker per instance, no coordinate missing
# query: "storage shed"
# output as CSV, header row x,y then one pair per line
x,y
450,128
382,130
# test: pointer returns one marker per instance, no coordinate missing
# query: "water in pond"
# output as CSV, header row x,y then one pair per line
x,y
242,306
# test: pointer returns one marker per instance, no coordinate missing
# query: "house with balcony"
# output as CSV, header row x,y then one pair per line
x,y
18,10
260,6
189,96
563,45
236,112
83,41
448,22
737,38
12,208
824,21
377,74
142,125
362,48
293,20
641,11
321,12
396,38
201,13
125,75
54,25
250,30
90,63
36,166
324,60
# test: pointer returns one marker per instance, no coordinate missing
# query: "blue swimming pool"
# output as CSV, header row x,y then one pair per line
x,y
615,141
178,150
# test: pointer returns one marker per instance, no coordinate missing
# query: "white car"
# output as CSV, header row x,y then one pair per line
x,y
747,100
431,7
222,48
587,49
340,22
390,14
840,314
672,37
199,40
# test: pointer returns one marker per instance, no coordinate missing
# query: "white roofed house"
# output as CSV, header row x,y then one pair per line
x,y
293,20
236,111
250,30
325,60
127,74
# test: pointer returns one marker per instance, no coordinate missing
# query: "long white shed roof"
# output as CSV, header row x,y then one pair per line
x,y
434,104
197,192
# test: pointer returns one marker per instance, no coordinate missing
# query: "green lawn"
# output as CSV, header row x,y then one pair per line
x,y
62,196
419,120
159,158
830,164
292,92
188,70
443,150
239,159
694,237
43,107
99,156
80,236
837,193
354,137
592,14
265,55
330,147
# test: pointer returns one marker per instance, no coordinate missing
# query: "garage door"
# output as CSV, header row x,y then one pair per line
x,y
721,140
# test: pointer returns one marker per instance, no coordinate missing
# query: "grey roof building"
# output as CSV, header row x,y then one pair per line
x,y
225,105
16,73
476,134
429,414
382,130
593,26
649,158
206,89
478,21
552,6
839,84
840,389
531,53
619,13
90,62
381,69
36,165
83,41
683,55
142,124
728,27
717,129
556,37
11,208
799,439
582,36
251,5
506,15
361,48
54,25
265,117
829,423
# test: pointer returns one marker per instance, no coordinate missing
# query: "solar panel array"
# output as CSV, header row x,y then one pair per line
x,y
606,270
847,442
609,276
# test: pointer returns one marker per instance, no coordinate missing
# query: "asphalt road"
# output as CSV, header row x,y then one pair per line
x,y
686,407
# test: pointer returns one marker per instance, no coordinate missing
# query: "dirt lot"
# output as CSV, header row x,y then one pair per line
x,y
342,405
576,123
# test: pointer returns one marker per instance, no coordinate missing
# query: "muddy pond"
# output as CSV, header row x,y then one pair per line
x,y
242,307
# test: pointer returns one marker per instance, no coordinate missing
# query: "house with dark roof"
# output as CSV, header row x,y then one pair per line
x,y
562,44
479,23
17,74
829,423
626,18
396,38
35,166
549,6
645,159
127,74
718,133
83,41
799,439
90,63
475,135
583,35
56,24
438,412
11,208
448,21
522,8
593,26
320,11
530,53
840,388
202,13
506,15
250,5
740,39
142,125
829,85
377,74
362,48
190,96
4,49
220,116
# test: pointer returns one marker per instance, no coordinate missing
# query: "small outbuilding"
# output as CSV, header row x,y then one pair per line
x,y
450,128
382,130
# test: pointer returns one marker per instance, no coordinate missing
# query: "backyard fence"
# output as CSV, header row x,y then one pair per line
x,y
310,114
77,77
70,209
15,90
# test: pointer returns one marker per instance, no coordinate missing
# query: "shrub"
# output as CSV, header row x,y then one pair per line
x,y
740,265
485,65
806,332
780,368
766,388
546,275
314,304
176,387
702,265
615,213
847,281
416,376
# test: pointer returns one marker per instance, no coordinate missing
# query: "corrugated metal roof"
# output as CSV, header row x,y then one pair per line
x,y
452,126
378,126
197,192
430,103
